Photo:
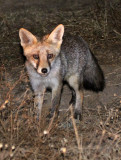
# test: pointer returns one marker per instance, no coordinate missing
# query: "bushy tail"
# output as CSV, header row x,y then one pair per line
x,y
93,76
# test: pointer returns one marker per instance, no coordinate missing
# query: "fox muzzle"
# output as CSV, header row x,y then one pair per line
x,y
43,71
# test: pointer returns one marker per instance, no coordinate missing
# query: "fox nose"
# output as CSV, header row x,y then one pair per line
x,y
44,70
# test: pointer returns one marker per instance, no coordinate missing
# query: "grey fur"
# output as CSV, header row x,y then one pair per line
x,y
74,64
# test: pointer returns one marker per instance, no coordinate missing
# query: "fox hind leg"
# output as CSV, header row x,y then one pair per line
x,y
77,96
73,98
79,105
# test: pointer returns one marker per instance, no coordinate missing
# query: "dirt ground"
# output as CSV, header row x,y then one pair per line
x,y
98,135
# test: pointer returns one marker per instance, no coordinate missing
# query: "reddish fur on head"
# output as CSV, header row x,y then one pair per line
x,y
50,44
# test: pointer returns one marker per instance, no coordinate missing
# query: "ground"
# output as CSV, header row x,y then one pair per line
x,y
98,135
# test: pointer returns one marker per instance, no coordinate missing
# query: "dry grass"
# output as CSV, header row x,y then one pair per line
x,y
98,136
23,137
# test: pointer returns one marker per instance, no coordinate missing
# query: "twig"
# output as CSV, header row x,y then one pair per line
x,y
51,122
9,92
117,32
21,104
76,134
98,146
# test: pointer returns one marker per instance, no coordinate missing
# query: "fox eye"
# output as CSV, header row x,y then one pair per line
x,y
36,56
49,56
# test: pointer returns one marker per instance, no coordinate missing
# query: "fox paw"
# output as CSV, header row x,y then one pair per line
x,y
78,115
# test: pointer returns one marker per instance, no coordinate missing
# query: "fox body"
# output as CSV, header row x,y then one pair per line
x,y
55,59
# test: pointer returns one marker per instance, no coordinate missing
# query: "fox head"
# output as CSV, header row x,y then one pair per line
x,y
41,54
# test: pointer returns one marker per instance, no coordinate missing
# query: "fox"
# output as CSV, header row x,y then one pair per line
x,y
55,59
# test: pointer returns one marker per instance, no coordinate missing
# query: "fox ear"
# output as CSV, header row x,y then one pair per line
x,y
56,35
26,37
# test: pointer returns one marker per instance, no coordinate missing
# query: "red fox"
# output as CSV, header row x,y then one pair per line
x,y
57,58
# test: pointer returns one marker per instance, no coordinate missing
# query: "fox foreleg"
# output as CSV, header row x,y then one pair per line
x,y
56,96
38,102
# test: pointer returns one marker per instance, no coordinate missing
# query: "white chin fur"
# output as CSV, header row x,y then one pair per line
x,y
34,64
